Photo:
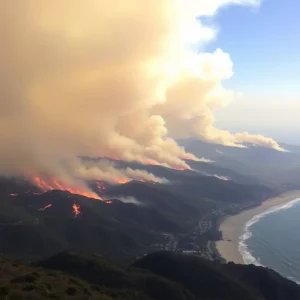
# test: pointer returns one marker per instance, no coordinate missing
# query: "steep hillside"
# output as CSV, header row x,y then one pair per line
x,y
117,229
161,276
137,215
212,280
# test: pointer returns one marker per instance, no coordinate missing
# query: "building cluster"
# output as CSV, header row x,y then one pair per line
x,y
199,241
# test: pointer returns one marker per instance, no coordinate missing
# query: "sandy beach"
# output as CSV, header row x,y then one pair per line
x,y
232,227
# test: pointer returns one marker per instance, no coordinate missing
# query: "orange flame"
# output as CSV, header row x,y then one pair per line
x,y
55,185
76,210
26,193
45,207
151,162
108,202
121,180
182,168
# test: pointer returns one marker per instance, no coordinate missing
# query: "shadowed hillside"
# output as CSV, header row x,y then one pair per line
x,y
161,276
212,280
34,224
276,169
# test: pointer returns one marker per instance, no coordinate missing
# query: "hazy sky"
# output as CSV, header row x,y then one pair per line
x,y
264,45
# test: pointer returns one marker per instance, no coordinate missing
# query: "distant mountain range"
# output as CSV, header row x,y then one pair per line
x,y
278,170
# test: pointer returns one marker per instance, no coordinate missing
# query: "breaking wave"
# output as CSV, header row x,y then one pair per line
x,y
248,257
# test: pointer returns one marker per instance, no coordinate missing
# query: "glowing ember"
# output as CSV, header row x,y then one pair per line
x,y
115,157
26,193
56,185
45,207
76,210
108,202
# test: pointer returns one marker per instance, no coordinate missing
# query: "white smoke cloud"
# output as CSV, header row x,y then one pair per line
x,y
188,109
96,79
106,170
221,177
129,200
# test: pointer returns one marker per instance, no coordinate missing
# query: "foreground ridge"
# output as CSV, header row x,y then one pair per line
x,y
161,275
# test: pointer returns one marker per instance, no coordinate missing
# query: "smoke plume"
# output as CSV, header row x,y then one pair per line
x,y
91,78
106,170
129,199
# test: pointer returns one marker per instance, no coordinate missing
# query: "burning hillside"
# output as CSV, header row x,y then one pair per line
x,y
82,78
55,185
76,210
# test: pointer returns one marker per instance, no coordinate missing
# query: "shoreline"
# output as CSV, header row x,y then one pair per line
x,y
232,227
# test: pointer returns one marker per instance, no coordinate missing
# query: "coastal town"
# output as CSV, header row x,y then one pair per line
x,y
201,241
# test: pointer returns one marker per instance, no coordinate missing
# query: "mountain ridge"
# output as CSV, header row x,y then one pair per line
x,y
158,276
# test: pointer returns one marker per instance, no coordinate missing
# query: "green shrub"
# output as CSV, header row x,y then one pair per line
x,y
16,295
36,274
71,291
29,287
87,292
95,287
4,290
53,296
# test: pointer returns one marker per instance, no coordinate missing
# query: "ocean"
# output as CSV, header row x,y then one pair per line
x,y
272,239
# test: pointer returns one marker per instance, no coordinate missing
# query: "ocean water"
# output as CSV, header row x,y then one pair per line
x,y
272,239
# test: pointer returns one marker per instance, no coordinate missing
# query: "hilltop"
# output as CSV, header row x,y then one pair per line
x,y
160,276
